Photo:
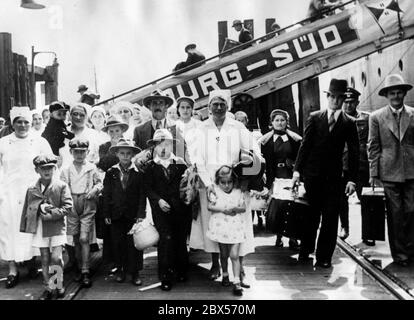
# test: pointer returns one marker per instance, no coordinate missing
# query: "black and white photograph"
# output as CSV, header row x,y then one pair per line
x,y
205,156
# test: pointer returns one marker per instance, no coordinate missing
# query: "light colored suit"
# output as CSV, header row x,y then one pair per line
x,y
391,159
391,153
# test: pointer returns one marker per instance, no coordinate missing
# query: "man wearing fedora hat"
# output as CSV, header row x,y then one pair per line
x,y
158,103
193,56
391,158
244,35
87,96
319,163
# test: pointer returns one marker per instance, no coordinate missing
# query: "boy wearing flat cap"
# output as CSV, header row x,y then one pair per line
x,y
45,207
85,184
171,216
123,205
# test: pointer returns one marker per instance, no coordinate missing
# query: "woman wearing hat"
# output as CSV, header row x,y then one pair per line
x,y
220,142
17,151
187,124
279,147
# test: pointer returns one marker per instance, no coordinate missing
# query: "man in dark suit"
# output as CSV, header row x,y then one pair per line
x,y
391,159
158,104
319,162
244,35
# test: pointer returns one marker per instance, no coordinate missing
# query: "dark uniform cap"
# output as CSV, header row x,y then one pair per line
x,y
352,94
79,144
58,105
44,161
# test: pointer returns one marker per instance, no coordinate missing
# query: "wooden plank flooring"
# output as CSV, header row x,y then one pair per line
x,y
273,274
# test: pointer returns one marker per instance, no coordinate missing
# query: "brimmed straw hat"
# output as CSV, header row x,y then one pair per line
x,y
159,136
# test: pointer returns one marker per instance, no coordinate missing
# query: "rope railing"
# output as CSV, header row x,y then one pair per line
x,y
227,52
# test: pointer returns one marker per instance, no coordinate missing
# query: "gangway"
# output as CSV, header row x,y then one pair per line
x,y
305,51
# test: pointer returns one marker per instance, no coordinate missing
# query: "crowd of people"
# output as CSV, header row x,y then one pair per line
x,y
77,173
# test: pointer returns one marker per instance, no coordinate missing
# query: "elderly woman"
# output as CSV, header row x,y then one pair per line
x,y
220,142
187,124
125,111
97,117
280,147
17,152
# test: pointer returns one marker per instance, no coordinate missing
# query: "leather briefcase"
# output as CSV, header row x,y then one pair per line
x,y
373,214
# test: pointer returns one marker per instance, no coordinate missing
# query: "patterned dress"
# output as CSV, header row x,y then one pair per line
x,y
225,228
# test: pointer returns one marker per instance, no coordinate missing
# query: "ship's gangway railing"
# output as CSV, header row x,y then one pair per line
x,y
233,50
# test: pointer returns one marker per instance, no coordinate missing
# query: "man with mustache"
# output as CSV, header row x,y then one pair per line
x,y
158,103
391,158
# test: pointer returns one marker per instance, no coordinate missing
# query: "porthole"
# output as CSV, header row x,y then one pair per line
x,y
352,82
401,65
364,79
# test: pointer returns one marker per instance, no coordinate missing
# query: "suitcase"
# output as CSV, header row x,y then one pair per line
x,y
373,213
287,210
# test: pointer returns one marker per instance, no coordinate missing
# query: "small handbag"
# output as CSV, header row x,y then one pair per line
x,y
145,235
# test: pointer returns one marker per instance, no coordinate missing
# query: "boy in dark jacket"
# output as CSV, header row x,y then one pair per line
x,y
171,216
45,207
124,204
56,131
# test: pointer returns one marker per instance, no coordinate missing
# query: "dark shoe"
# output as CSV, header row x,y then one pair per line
x,y
214,273
46,295
243,282
293,244
304,258
166,285
60,293
237,290
136,280
279,242
323,264
120,276
370,243
12,280
225,282
344,233
86,280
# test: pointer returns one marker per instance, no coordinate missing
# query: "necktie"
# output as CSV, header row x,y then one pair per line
x,y
124,179
158,126
331,121
397,116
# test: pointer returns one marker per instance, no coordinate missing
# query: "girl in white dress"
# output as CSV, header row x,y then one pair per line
x,y
226,224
